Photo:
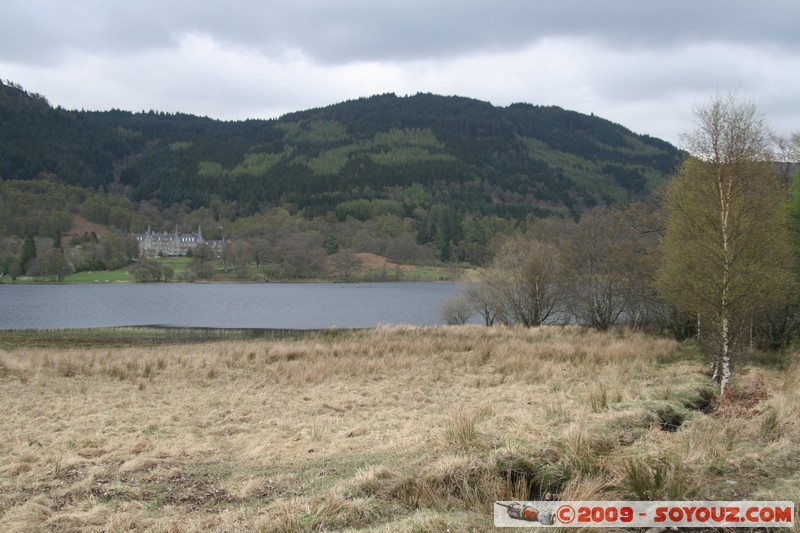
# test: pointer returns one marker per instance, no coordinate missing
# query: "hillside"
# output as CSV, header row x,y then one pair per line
x,y
417,150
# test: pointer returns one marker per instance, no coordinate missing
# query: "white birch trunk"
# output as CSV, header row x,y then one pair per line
x,y
725,187
725,359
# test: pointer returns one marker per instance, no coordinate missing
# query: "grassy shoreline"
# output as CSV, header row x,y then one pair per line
x,y
182,267
388,429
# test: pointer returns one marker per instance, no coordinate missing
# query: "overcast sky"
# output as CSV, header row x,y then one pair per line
x,y
641,63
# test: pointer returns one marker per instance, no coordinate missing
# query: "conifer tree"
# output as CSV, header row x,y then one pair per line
x,y
28,253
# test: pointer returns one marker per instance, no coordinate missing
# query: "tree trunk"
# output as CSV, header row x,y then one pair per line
x,y
725,356
724,190
715,377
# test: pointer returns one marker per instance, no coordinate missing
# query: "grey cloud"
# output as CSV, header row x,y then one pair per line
x,y
46,30
357,30
638,62
351,30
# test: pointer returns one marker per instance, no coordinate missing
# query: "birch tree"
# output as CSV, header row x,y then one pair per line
x,y
726,248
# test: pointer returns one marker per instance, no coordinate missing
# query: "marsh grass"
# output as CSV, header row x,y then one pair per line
x,y
654,478
146,335
770,427
598,397
461,428
391,429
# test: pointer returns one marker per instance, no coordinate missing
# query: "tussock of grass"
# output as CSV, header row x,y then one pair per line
x,y
461,428
771,425
530,476
454,481
654,478
331,512
598,397
392,429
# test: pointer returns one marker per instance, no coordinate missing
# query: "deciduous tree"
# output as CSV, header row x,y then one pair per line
x,y
528,277
483,296
726,247
202,261
456,309
346,263
523,285
607,269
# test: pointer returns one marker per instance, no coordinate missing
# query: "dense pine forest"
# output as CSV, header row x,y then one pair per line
x,y
416,178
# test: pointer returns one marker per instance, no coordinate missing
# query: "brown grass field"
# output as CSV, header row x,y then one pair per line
x,y
396,429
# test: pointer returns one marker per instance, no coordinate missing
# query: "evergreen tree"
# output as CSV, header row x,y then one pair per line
x,y
28,253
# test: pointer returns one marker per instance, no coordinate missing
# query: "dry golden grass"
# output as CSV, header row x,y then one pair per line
x,y
393,429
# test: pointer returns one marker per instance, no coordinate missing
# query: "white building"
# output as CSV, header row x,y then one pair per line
x,y
152,244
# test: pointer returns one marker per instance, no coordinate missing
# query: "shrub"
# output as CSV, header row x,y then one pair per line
x,y
456,310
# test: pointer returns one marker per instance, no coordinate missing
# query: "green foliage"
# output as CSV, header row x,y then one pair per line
x,y
793,211
314,132
726,246
700,274
411,178
210,170
112,209
148,271
358,209
442,227
331,162
28,253
180,145
368,209
403,155
37,207
416,195
407,137
509,162
255,165
37,140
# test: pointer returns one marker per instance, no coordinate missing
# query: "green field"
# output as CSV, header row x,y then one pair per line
x,y
103,276
183,266
180,264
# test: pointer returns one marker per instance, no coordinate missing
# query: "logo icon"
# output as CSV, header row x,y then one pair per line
x,y
565,514
518,511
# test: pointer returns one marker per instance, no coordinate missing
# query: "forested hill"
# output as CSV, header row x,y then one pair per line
x,y
424,149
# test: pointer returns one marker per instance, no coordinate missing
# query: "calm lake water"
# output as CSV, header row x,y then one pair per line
x,y
263,305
